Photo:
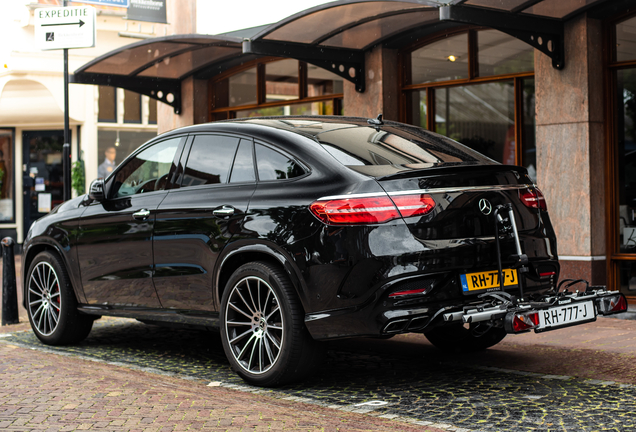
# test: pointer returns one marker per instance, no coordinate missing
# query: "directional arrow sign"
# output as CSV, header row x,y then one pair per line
x,y
65,27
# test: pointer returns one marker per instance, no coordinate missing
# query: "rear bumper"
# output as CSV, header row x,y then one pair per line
x,y
501,309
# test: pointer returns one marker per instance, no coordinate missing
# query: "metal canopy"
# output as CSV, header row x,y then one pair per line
x,y
333,36
156,67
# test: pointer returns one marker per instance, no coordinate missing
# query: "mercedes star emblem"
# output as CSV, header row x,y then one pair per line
x,y
484,206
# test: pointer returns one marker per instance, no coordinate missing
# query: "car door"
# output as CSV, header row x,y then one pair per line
x,y
114,241
197,220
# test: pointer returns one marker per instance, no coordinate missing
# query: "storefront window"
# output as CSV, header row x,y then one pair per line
x,y
441,61
626,40
626,157
479,116
494,116
152,111
281,80
114,146
528,137
310,108
322,82
502,54
276,87
6,175
132,107
107,104
242,88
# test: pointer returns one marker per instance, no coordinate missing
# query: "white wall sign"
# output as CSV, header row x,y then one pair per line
x,y
65,27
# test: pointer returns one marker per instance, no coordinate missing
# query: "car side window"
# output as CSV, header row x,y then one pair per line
x,y
210,160
147,171
273,165
243,168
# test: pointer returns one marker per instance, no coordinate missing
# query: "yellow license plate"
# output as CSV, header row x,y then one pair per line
x,y
488,279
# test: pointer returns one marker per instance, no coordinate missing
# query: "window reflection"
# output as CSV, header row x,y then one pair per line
x,y
322,82
479,116
626,117
281,80
501,54
242,88
443,60
626,40
311,108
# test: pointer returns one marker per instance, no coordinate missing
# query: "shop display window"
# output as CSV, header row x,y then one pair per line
x,y
6,176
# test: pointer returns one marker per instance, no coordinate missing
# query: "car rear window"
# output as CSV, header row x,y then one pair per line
x,y
393,145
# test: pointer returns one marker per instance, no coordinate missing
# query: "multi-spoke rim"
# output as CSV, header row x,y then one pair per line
x,y
254,325
45,301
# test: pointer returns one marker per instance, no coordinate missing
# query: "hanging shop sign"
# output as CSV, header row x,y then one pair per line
x,y
147,10
65,27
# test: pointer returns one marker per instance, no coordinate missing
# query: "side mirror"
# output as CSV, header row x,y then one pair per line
x,y
96,190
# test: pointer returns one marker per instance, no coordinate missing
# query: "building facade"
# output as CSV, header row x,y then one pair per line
x,y
545,84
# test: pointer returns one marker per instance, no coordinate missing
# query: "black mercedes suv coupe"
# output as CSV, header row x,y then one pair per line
x,y
283,232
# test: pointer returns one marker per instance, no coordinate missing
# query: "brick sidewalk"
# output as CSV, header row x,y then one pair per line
x,y
41,391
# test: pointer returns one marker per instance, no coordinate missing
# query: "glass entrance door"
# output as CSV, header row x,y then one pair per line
x,y
42,173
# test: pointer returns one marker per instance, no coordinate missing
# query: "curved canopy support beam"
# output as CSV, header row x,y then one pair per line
x,y
164,90
544,34
346,63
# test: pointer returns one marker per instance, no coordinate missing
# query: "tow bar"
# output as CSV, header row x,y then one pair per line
x,y
556,309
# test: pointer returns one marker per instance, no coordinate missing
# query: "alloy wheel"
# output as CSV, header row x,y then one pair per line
x,y
254,325
45,301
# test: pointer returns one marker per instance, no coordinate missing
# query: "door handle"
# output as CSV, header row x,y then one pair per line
x,y
224,211
141,214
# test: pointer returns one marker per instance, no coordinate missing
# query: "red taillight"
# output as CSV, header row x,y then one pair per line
x,y
371,210
409,292
414,205
353,211
533,198
546,274
525,321
611,304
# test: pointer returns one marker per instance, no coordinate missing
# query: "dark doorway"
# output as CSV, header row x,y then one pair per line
x,y
43,186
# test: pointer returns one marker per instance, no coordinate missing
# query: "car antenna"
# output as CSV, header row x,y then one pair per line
x,y
376,122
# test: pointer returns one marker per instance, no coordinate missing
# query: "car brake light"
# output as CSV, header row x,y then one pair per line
x,y
355,211
611,304
408,292
533,198
414,205
521,322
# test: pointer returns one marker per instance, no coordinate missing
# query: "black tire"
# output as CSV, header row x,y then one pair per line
x,y
265,339
458,339
51,303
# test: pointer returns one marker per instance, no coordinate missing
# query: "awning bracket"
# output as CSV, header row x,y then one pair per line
x,y
544,34
164,90
346,63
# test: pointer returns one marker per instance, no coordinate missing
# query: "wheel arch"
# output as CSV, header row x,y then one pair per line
x,y
239,253
29,255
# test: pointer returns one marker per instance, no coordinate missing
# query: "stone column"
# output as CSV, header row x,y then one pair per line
x,y
381,93
182,20
570,149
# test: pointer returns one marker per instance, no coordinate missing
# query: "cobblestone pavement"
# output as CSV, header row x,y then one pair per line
x,y
404,377
41,391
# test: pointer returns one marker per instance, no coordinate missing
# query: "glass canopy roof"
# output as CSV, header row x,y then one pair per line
x,y
326,36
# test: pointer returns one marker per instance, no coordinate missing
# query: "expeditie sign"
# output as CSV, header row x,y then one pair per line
x,y
65,27
147,10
